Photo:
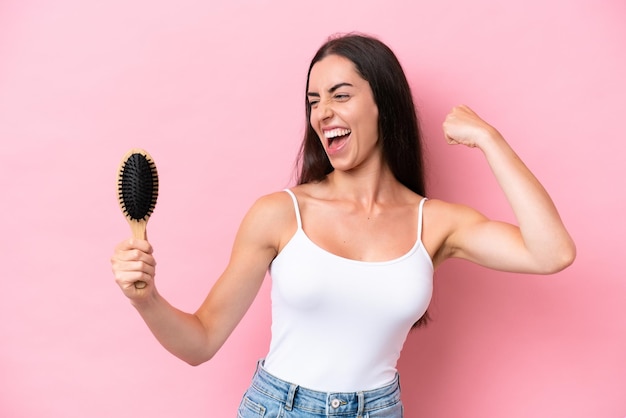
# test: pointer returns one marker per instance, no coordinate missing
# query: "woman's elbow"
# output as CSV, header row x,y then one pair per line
x,y
200,355
560,260
197,361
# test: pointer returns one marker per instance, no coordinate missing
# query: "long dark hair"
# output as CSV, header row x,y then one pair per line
x,y
398,127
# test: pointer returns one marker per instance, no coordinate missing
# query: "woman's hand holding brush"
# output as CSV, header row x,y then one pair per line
x,y
132,262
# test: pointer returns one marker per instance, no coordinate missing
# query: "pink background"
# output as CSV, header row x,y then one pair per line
x,y
214,91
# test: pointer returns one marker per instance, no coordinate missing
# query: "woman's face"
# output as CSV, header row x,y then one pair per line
x,y
343,113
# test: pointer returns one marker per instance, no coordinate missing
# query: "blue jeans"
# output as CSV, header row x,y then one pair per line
x,y
270,397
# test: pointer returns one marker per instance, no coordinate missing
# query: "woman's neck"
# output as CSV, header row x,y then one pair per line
x,y
366,186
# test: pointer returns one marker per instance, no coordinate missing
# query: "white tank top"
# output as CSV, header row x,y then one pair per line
x,y
338,325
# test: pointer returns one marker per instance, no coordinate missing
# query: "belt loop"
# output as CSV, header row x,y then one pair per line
x,y
361,397
290,397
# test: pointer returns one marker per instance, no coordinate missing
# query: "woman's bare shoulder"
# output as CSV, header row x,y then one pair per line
x,y
273,205
443,212
308,189
270,221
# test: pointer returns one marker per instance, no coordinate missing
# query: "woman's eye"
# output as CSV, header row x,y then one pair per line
x,y
313,103
342,97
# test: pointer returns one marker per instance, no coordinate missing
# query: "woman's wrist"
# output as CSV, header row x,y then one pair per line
x,y
147,301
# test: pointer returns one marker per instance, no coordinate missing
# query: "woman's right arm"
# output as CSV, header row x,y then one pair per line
x,y
196,337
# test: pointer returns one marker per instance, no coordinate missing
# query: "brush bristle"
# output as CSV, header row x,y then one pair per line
x,y
138,187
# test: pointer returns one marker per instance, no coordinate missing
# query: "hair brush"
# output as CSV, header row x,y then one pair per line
x,y
137,191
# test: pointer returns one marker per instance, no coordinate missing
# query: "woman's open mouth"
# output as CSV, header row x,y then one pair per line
x,y
336,138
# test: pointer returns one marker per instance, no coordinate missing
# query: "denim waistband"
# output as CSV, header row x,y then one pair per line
x,y
329,403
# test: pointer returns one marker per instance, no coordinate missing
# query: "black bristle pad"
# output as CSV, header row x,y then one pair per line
x,y
138,187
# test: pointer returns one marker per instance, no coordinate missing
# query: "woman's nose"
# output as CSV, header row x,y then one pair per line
x,y
326,111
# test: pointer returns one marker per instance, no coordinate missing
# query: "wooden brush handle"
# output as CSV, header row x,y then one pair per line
x,y
138,229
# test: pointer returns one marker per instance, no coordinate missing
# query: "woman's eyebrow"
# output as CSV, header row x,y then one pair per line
x,y
339,85
330,90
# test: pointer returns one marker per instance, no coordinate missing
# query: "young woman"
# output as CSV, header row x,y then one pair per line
x,y
352,248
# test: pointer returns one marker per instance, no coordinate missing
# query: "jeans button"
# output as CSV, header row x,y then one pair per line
x,y
335,403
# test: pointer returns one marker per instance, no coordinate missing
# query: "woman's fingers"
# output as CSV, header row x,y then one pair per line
x,y
133,262
463,126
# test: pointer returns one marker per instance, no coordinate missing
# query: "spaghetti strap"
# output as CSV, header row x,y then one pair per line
x,y
420,219
296,207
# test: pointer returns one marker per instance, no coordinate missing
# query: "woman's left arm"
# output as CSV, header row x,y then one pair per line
x,y
540,244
